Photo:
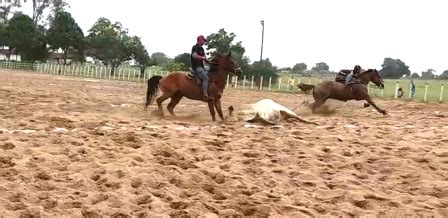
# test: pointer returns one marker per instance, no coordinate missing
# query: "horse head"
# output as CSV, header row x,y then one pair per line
x,y
372,75
225,62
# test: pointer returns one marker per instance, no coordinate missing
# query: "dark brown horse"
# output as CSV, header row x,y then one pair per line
x,y
339,91
177,85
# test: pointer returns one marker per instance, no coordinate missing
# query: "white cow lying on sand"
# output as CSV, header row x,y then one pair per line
x,y
265,110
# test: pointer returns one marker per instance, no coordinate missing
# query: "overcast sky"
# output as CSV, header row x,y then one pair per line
x,y
341,33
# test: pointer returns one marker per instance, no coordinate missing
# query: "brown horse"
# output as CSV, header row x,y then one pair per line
x,y
177,85
339,91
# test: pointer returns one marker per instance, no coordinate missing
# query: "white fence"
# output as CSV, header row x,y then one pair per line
x,y
424,91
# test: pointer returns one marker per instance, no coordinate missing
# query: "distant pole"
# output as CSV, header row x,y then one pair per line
x,y
262,39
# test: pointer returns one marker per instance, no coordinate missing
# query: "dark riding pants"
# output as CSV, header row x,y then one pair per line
x,y
203,75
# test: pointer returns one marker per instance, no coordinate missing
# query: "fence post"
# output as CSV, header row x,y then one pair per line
x,y
397,86
270,81
441,92
236,81
228,81
280,83
309,81
252,83
244,81
426,92
261,83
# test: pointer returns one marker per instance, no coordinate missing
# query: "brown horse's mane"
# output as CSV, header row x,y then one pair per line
x,y
214,62
367,71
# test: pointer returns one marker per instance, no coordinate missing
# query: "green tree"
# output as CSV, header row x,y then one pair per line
x,y
264,69
183,59
5,8
65,33
321,67
299,68
394,68
415,75
140,55
172,65
428,74
26,38
39,7
3,35
57,6
159,59
444,75
109,43
222,42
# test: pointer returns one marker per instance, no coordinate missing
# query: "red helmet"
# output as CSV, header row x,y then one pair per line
x,y
200,37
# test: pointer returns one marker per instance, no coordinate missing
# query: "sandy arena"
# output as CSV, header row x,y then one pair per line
x,y
85,148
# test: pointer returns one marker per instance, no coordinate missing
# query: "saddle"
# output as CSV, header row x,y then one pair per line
x,y
191,75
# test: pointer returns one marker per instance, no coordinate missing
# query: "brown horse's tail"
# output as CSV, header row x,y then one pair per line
x,y
153,85
305,87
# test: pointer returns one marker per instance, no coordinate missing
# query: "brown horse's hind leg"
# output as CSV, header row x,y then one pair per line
x,y
162,99
175,99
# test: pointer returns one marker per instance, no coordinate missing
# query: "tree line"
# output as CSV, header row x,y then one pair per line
x,y
35,38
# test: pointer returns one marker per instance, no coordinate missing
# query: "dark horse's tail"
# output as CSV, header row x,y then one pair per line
x,y
305,87
153,85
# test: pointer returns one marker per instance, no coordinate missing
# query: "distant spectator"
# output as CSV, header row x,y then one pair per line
x,y
400,92
291,82
412,88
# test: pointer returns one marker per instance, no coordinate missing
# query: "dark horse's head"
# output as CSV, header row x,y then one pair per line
x,y
372,75
225,62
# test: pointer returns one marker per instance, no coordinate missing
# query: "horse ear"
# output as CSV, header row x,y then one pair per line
x,y
229,55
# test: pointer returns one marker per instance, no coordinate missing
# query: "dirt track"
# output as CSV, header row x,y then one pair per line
x,y
85,147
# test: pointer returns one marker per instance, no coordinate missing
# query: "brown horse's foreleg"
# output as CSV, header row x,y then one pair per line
x,y
175,99
211,107
160,100
368,99
219,109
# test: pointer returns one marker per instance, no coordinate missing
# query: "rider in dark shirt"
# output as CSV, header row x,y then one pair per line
x,y
197,64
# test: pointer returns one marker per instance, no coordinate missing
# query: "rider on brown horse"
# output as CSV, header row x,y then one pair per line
x,y
197,64
355,72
